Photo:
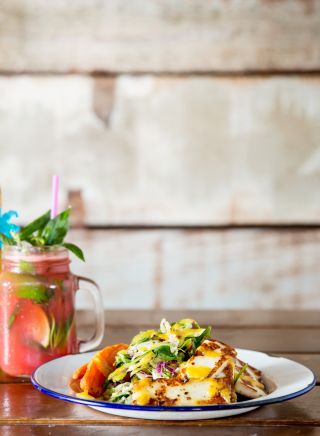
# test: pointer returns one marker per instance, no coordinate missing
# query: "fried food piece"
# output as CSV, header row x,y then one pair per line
x,y
173,392
80,372
206,378
212,359
76,378
90,378
250,382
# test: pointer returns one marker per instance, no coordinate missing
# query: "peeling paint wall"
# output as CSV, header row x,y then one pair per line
x,y
143,150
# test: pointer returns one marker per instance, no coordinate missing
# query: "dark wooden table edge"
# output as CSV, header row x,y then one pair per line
x,y
129,422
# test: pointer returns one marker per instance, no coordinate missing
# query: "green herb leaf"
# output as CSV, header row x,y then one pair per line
x,y
6,241
59,333
240,373
187,345
67,326
122,358
35,292
45,231
56,229
106,383
206,334
52,332
13,315
36,225
36,240
75,250
26,267
164,353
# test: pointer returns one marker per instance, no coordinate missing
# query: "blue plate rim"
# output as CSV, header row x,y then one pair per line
x,y
108,405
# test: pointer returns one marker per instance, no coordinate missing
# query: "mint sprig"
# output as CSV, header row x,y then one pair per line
x,y
27,233
36,292
75,250
45,231
5,240
55,230
59,333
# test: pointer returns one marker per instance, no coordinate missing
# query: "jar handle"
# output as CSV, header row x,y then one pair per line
x,y
99,315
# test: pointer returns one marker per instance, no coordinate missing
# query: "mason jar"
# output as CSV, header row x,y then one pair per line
x,y
37,308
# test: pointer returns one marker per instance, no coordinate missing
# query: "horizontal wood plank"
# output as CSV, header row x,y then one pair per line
x,y
136,430
236,269
117,36
287,340
216,318
24,405
164,150
312,361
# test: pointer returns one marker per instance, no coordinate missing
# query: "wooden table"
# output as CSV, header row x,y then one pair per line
x,y
292,334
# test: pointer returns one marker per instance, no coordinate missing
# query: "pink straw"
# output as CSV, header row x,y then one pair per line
x,y
54,196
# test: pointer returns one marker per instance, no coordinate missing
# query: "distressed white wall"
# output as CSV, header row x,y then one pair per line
x,y
164,150
210,116
175,269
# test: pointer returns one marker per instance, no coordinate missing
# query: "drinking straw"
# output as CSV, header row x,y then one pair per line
x,y
54,196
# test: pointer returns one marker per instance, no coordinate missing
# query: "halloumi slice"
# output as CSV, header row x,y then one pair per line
x,y
250,383
206,378
172,392
212,359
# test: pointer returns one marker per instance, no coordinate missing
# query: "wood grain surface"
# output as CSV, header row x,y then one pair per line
x,y
23,404
202,269
217,318
134,430
164,35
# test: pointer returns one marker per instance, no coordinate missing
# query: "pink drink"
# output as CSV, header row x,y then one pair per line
x,y
37,294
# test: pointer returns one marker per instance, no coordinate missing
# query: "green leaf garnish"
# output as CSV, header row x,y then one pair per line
x,y
164,353
122,358
45,231
56,229
6,241
199,339
240,373
75,250
187,345
36,241
13,315
34,226
59,333
26,267
36,292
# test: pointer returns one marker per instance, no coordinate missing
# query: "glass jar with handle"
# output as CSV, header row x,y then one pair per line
x,y
37,308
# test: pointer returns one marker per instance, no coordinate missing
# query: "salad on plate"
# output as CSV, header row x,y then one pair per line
x,y
179,364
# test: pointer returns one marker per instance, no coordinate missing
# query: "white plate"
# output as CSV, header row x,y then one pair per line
x,y
285,378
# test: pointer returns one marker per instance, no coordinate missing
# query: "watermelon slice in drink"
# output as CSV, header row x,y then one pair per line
x,y
31,322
